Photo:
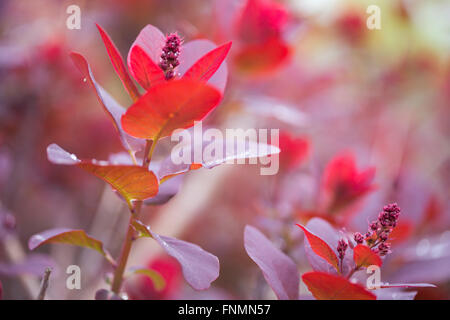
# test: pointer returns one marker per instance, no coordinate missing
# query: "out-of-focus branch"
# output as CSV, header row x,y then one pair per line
x,y
44,284
15,254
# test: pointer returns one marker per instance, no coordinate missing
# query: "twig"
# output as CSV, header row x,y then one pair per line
x,y
44,284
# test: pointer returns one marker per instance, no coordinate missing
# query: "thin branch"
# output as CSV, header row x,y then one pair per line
x,y
44,284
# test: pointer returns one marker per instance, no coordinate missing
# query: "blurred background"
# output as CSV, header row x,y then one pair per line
x,y
364,117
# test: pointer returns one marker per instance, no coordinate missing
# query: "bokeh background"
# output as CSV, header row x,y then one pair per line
x,y
334,88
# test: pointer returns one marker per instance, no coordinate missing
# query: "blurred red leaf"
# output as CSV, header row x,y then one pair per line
x,y
132,182
68,236
294,150
206,66
262,58
260,20
364,256
324,286
321,248
169,106
343,183
143,288
118,64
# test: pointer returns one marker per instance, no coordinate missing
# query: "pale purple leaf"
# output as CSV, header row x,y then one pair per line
x,y
210,154
109,104
167,190
58,155
278,269
199,267
34,264
408,285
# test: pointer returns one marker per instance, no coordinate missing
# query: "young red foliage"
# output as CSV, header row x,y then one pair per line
x,y
294,150
364,257
119,65
343,183
169,106
321,248
262,58
206,66
324,286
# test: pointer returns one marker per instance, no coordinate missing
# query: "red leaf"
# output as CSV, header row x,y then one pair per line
x,y
143,69
364,256
324,286
207,65
132,182
144,56
169,106
259,59
118,64
321,248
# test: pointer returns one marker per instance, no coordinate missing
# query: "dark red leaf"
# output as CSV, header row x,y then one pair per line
x,y
324,286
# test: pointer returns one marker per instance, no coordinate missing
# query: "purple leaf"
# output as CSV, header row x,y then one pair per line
x,y
278,269
194,50
394,294
109,104
212,154
199,267
408,285
166,191
34,264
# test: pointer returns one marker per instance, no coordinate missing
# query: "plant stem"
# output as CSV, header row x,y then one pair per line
x,y
125,252
128,242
